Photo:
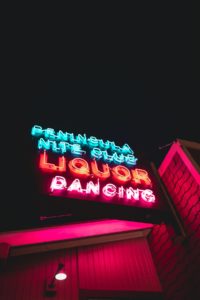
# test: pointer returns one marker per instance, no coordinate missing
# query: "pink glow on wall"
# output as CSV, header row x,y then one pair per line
x,y
177,147
69,232
61,276
122,266
178,263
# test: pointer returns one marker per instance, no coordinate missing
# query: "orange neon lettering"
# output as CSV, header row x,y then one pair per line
x,y
121,174
79,167
99,174
44,165
140,176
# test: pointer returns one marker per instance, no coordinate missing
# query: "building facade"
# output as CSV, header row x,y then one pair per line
x,y
132,261
178,259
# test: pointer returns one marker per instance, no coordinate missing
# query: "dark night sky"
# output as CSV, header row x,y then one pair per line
x,y
144,114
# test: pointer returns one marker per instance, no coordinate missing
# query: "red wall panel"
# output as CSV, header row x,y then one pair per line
x,y
124,265
25,276
178,263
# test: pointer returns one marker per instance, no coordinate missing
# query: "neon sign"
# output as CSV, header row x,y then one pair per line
x,y
79,145
109,190
77,166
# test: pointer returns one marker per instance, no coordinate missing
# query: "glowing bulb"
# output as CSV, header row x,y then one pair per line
x,y
61,276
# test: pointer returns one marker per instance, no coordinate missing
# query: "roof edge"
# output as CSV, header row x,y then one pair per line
x,y
180,146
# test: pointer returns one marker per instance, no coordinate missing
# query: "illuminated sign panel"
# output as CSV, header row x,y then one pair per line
x,y
85,167
79,145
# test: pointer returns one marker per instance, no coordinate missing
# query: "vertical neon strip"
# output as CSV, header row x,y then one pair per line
x,y
121,174
99,174
121,191
79,167
140,176
44,165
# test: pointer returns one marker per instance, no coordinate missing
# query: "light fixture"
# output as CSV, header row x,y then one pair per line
x,y
60,274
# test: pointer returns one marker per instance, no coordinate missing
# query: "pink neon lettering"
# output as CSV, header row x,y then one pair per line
x,y
92,188
148,196
75,186
121,191
58,183
132,194
109,190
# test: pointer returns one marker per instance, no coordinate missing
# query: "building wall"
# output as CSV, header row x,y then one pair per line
x,y
125,265
178,262
25,276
